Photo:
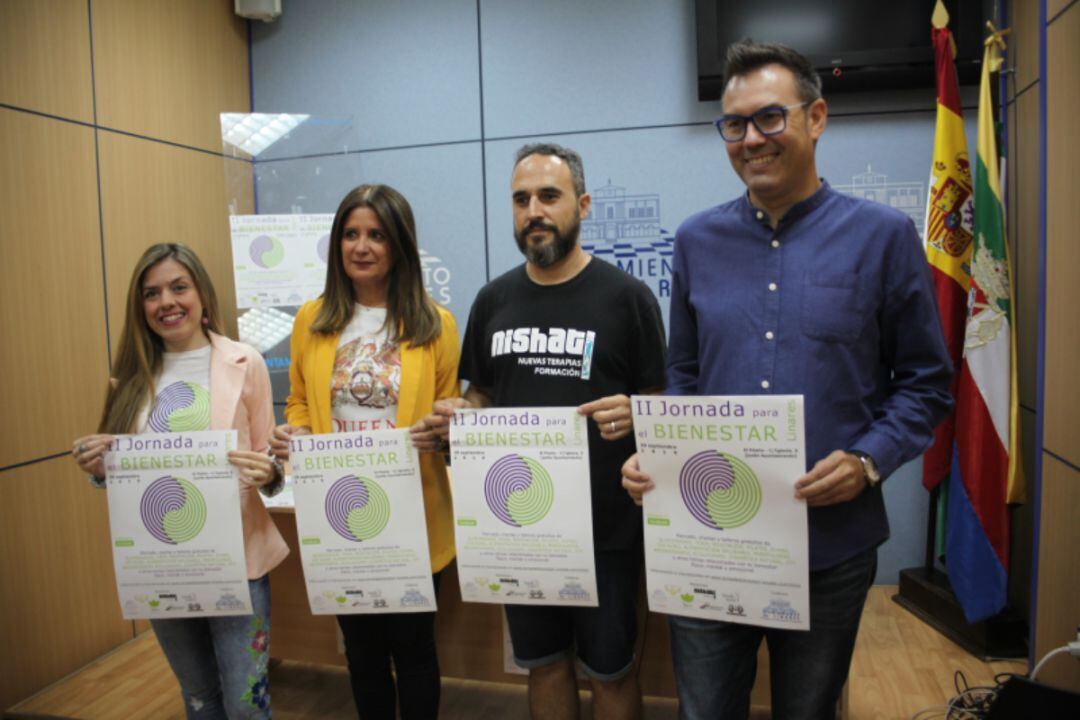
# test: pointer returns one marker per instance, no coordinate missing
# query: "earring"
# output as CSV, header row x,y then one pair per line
x,y
205,319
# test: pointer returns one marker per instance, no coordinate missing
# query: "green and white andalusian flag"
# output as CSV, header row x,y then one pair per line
x,y
985,477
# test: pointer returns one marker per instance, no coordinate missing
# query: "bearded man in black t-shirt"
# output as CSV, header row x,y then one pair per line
x,y
567,329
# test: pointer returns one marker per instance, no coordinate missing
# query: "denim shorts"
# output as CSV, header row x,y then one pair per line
x,y
604,636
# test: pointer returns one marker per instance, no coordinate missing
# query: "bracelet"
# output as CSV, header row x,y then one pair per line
x,y
277,480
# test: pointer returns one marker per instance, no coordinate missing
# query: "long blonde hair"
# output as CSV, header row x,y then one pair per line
x,y
411,314
139,355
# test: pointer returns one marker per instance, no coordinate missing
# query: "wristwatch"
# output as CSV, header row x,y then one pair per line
x,y
870,471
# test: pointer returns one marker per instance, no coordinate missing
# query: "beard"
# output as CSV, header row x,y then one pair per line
x,y
547,254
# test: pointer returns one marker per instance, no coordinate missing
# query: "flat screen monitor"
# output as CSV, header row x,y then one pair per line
x,y
854,44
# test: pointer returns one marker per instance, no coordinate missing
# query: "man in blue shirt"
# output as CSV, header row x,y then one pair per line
x,y
794,288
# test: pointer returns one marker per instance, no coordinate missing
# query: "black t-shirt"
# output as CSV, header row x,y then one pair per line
x,y
598,334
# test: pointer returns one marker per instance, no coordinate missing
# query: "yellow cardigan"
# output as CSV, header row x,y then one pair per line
x,y
428,373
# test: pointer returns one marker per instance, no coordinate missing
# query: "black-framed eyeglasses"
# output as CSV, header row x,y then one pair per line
x,y
770,120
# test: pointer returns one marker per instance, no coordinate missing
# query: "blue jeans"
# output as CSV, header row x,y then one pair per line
x,y
221,662
715,662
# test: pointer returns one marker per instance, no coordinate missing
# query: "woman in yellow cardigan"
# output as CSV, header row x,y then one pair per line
x,y
375,352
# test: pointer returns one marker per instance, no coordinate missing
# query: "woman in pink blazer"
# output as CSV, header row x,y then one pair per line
x,y
175,372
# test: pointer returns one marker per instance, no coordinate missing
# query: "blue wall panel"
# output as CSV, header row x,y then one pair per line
x,y
406,71
567,65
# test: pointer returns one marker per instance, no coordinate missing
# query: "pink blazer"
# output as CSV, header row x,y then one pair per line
x,y
240,398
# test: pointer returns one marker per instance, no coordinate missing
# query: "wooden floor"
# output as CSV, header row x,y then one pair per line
x,y
901,666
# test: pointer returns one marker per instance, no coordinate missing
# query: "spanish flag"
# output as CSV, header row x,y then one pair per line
x,y
949,222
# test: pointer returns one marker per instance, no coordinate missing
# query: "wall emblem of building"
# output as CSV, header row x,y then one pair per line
x,y
625,230
907,197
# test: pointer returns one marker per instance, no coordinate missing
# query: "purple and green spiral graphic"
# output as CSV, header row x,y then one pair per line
x,y
173,510
357,508
719,490
266,251
181,407
519,490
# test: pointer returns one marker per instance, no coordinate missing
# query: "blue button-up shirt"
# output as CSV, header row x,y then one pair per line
x,y
836,304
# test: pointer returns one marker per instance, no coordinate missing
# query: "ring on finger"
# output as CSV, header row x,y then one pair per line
x,y
612,426
82,448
